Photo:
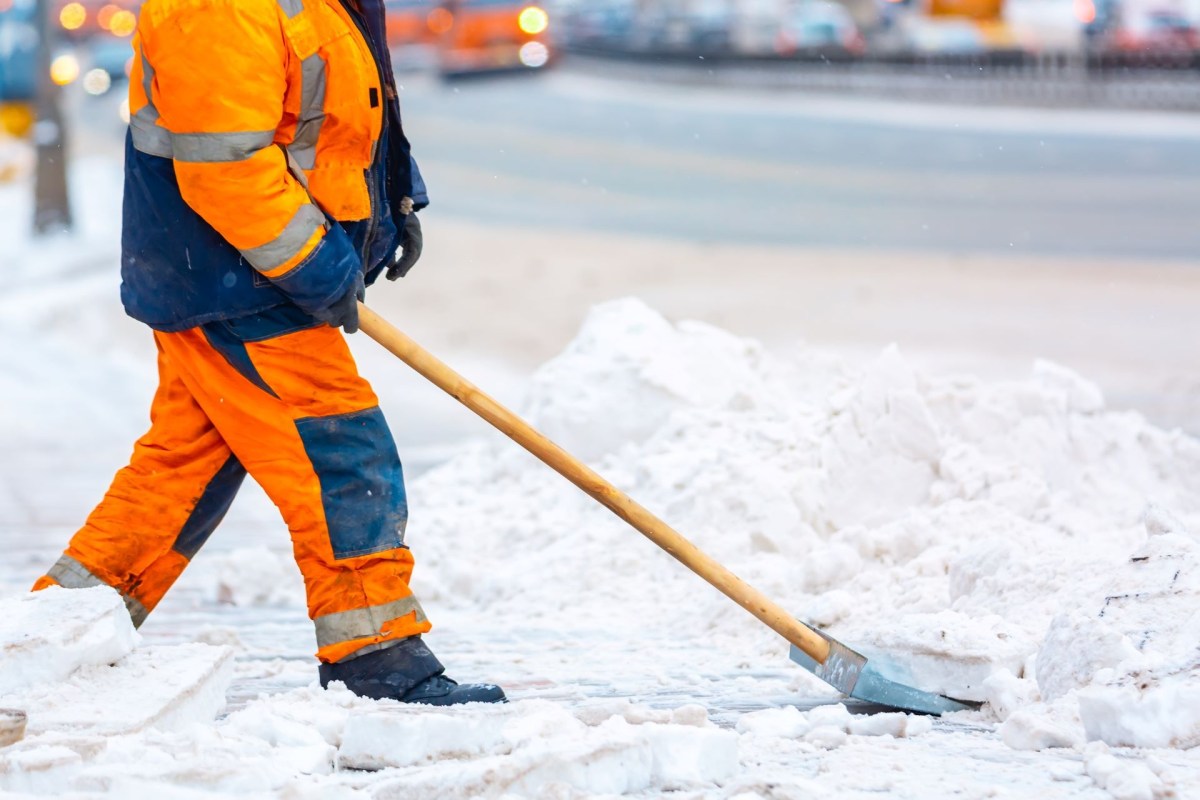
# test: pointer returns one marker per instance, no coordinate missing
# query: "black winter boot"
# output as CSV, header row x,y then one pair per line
x,y
407,672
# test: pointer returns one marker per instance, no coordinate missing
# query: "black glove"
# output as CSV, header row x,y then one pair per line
x,y
410,251
343,313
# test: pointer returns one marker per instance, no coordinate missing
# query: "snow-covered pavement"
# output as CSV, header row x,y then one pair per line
x,y
1012,541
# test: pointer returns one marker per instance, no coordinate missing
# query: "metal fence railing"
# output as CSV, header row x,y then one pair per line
x,y
1085,81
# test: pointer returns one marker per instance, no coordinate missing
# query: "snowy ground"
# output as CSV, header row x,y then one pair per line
x,y
1009,540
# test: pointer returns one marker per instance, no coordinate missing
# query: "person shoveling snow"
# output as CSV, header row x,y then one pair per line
x,y
254,218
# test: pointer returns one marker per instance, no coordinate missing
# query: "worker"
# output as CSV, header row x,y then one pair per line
x,y
268,181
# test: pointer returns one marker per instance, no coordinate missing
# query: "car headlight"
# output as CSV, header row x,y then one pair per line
x,y
533,20
64,69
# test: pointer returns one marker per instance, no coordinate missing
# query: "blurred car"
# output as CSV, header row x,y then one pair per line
x,y
408,22
477,36
1158,32
705,26
81,19
108,60
819,27
925,36
600,23
1049,26
18,66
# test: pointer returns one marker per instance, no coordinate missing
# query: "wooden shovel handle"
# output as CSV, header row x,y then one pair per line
x,y
591,482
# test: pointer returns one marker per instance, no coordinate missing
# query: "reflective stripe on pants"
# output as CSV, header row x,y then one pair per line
x,y
70,574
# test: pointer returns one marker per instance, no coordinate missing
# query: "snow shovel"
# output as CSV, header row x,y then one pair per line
x,y
833,662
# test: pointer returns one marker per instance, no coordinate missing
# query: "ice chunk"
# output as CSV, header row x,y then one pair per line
x,y
1122,778
168,687
45,636
1154,713
1028,730
522,746
686,755
1077,646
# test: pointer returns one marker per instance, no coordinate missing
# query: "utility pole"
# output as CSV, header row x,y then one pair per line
x,y
51,203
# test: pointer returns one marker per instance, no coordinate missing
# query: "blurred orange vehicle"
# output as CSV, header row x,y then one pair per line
x,y
489,35
408,22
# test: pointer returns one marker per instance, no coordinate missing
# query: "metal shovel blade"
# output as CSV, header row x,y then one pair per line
x,y
853,675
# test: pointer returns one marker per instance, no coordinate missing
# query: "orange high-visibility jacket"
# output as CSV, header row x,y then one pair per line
x,y
265,161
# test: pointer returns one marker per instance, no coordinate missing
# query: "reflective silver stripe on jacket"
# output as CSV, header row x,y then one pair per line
x,y
211,148
70,574
363,622
312,111
287,244
148,137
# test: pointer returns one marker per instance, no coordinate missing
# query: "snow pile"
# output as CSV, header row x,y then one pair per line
x,y
963,526
1012,542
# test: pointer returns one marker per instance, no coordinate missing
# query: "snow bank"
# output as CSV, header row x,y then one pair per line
x,y
1011,542
992,537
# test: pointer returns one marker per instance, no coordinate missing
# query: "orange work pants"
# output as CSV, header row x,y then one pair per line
x,y
279,397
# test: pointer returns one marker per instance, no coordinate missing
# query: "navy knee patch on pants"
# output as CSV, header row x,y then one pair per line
x,y
210,509
362,484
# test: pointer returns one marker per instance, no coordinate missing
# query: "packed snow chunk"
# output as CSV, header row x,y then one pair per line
x,y
166,687
203,758
610,759
1036,729
829,726
39,769
686,756
776,723
46,636
401,736
1005,693
1124,778
1152,713
948,652
895,724
597,712
522,746
275,718
1077,646
1151,698
629,368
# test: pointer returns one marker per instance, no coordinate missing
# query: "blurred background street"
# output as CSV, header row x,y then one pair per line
x,y
845,175
984,182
